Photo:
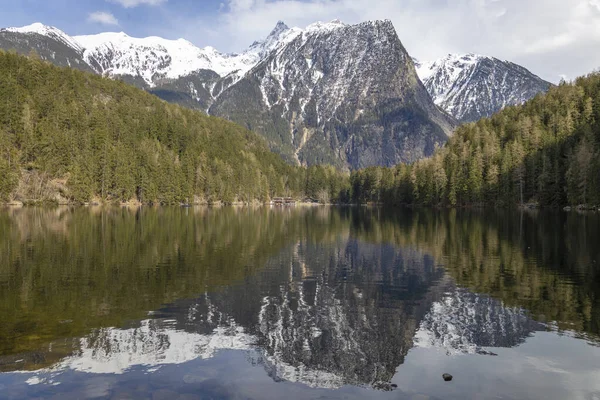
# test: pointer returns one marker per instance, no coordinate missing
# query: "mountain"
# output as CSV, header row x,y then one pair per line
x,y
331,93
341,94
155,59
70,136
543,153
49,43
470,87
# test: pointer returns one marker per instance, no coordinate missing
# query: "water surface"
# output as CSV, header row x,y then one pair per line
x,y
303,303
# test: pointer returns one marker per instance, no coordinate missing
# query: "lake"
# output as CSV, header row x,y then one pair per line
x,y
298,303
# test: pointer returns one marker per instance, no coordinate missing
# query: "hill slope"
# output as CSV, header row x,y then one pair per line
x,y
90,137
545,152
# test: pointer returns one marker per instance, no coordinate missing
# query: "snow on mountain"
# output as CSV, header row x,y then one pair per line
x,y
154,58
467,86
446,73
48,31
333,86
470,86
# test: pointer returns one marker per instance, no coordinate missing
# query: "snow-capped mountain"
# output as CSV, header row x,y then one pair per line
x,y
330,93
470,87
347,95
48,31
49,43
340,94
151,58
156,59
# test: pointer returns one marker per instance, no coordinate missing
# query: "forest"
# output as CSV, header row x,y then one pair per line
x,y
544,153
75,137
71,136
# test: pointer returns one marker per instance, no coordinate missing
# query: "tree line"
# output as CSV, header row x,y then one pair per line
x,y
82,137
73,135
543,153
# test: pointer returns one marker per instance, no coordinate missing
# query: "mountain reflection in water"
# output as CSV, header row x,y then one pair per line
x,y
324,297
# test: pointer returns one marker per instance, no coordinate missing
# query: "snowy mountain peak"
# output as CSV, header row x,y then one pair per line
x,y
279,28
274,39
471,86
325,26
330,73
154,58
452,63
48,31
36,27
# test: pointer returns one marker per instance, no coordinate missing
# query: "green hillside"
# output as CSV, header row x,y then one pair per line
x,y
545,152
69,135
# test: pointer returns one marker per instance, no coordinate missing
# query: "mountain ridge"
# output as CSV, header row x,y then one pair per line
x,y
347,95
340,94
472,86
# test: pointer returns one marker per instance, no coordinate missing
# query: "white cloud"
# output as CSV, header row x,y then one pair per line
x,y
135,3
102,17
550,37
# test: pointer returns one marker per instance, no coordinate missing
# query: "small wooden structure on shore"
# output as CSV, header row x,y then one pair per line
x,y
283,201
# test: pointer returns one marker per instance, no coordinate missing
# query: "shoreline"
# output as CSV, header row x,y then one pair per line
x,y
525,208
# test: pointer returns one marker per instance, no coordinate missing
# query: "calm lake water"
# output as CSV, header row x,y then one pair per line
x,y
305,303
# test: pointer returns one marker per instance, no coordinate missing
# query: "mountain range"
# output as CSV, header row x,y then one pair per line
x,y
347,95
471,86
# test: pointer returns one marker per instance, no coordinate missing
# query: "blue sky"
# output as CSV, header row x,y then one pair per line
x,y
73,16
553,38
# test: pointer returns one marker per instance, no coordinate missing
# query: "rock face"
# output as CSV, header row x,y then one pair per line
x,y
50,44
347,95
470,87
341,94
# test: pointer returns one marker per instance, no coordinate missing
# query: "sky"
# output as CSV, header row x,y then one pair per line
x,y
553,38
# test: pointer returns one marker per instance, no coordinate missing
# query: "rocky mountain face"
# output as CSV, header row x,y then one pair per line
x,y
347,95
341,94
50,44
470,87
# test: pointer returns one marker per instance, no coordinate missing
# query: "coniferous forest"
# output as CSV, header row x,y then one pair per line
x,y
69,135
79,137
544,153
